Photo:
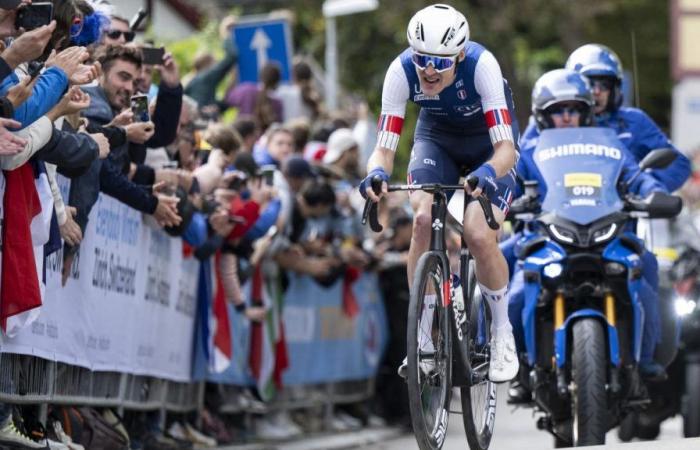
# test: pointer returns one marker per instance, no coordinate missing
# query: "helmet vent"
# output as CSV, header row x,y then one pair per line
x,y
422,36
440,6
461,42
444,36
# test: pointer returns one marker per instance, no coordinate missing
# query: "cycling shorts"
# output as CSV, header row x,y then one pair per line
x,y
441,154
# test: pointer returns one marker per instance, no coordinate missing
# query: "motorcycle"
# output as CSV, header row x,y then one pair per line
x,y
680,393
686,276
581,267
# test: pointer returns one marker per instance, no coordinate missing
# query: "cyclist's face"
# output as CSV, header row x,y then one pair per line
x,y
433,82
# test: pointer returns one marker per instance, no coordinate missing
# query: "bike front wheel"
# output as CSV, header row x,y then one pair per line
x,y
429,353
479,397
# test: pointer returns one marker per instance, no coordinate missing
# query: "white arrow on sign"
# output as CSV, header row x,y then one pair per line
x,y
260,43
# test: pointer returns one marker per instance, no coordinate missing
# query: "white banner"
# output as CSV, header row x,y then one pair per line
x,y
128,306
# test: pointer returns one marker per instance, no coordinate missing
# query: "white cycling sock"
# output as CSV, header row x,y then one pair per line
x,y
425,339
498,302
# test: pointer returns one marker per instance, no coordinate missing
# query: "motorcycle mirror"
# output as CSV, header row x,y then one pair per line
x,y
658,159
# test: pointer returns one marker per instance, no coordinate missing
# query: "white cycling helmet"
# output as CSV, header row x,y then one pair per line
x,y
438,30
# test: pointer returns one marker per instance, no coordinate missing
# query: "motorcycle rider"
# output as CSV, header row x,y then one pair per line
x,y
603,69
563,98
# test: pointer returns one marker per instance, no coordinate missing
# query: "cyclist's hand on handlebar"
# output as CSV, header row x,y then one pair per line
x,y
366,186
486,176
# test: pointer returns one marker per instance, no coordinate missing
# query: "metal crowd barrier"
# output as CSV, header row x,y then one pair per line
x,y
32,380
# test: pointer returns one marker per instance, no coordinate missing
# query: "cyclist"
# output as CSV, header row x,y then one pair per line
x,y
563,98
466,120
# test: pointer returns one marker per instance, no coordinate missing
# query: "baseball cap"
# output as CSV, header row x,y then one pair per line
x,y
339,142
9,4
298,167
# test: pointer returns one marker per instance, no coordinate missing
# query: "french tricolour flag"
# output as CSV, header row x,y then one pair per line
x,y
27,208
497,117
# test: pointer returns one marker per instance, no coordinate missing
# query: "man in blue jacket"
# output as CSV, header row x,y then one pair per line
x,y
563,98
602,67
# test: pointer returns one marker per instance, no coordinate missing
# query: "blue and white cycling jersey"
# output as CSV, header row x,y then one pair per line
x,y
474,103
457,128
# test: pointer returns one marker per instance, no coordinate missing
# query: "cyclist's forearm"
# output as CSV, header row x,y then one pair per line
x,y
381,157
503,158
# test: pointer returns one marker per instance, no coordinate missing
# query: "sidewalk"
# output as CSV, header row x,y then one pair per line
x,y
327,441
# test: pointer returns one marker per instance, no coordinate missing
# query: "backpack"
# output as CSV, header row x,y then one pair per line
x,y
98,434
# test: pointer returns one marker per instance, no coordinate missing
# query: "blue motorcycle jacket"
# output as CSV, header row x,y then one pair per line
x,y
640,135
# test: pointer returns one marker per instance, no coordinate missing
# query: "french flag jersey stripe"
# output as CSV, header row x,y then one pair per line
x,y
497,117
392,124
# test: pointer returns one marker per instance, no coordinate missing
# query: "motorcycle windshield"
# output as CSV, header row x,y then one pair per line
x,y
580,167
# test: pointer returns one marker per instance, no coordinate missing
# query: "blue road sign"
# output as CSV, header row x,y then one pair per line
x,y
261,41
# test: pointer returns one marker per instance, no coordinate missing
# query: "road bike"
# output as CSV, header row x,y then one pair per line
x,y
448,347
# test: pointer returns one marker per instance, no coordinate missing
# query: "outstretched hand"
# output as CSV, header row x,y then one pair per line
x,y
10,144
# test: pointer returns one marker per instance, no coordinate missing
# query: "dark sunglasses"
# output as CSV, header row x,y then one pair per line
x,y
114,34
560,110
604,84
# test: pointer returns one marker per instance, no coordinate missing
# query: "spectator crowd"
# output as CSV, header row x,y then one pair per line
x,y
278,183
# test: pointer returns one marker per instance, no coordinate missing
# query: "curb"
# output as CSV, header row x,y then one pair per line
x,y
331,441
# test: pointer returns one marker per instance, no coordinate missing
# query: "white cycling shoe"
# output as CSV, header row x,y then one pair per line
x,y
426,366
504,359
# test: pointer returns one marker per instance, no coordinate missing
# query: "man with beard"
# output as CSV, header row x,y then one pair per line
x,y
121,66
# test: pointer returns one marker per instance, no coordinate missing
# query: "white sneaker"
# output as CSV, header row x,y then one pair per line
x,y
53,445
504,360
197,437
352,423
426,366
11,436
266,429
64,438
284,420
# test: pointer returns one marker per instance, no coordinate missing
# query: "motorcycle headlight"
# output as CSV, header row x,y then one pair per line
x,y
561,234
553,270
684,306
605,233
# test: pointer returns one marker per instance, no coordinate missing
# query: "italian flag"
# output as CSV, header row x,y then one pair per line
x,y
268,349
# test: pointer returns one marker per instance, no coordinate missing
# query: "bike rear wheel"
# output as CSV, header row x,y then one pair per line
x,y
479,398
429,366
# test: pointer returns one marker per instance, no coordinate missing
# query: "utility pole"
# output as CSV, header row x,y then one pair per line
x,y
331,10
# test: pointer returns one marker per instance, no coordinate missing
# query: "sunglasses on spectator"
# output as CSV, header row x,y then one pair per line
x,y
603,84
560,110
114,34
439,63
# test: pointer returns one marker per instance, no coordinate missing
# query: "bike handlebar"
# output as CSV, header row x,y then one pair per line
x,y
370,211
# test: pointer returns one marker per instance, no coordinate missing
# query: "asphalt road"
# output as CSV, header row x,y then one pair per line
x,y
515,430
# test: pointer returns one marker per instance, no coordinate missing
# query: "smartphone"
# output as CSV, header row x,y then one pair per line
x,y
153,55
34,16
139,106
268,173
34,69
